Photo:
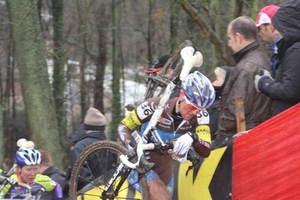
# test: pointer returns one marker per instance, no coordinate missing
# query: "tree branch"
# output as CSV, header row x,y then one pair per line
x,y
208,31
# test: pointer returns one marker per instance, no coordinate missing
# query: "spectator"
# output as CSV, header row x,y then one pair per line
x,y
27,161
94,126
47,168
284,89
222,75
242,33
266,30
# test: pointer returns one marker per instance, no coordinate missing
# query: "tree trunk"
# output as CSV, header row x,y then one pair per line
x,y
238,9
58,68
116,116
101,59
82,32
150,31
174,25
30,52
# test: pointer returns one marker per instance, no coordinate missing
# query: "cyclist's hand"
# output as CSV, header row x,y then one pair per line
x,y
183,144
35,191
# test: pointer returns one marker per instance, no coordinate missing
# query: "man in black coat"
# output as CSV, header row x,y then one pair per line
x,y
94,126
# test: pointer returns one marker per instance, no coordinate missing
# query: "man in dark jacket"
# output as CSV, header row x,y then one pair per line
x,y
47,168
94,125
284,89
242,39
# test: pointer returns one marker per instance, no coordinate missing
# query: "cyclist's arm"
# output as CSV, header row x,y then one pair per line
x,y
126,127
49,185
57,192
6,188
203,145
4,191
141,114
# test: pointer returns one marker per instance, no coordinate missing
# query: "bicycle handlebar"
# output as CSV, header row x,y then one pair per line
x,y
140,148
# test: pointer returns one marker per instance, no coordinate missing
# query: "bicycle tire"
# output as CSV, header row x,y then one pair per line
x,y
107,150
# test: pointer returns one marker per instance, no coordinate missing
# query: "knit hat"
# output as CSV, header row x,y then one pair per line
x,y
158,65
94,120
266,14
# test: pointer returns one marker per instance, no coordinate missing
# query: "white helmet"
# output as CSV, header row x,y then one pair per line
x,y
198,90
28,156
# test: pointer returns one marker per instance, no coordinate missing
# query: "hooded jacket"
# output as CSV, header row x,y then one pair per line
x,y
285,88
257,106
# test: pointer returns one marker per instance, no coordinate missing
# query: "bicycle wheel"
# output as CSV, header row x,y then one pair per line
x,y
94,168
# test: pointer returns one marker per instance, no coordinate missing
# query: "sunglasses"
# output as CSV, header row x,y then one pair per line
x,y
191,106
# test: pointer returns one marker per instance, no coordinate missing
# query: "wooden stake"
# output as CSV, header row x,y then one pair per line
x,y
240,115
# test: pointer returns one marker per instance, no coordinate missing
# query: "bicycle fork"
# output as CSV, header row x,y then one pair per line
x,y
120,169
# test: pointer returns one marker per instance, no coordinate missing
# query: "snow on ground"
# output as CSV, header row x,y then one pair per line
x,y
132,93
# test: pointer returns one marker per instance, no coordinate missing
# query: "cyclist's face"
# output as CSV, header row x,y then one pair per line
x,y
187,111
28,173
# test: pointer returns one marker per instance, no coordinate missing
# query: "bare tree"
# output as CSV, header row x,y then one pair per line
x,y
58,67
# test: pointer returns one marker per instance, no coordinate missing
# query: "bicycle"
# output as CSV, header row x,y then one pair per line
x,y
109,180
156,83
34,193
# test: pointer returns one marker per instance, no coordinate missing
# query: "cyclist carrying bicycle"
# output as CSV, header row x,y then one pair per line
x,y
184,118
27,160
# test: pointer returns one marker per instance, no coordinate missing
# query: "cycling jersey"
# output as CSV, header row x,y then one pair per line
x,y
166,127
41,181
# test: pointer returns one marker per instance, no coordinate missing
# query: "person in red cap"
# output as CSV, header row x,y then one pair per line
x,y
284,88
266,30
